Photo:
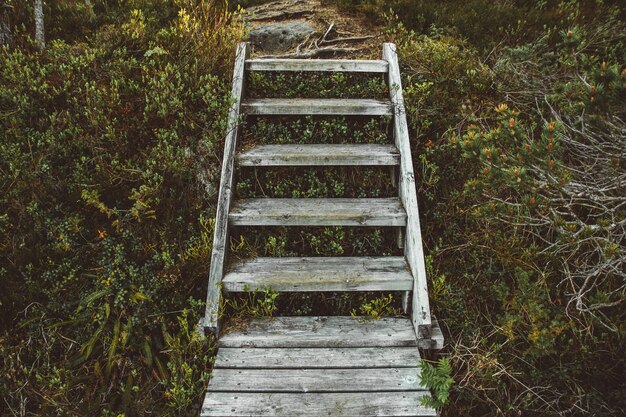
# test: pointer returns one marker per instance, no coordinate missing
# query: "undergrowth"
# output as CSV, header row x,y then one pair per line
x,y
277,241
316,129
316,85
302,182
110,162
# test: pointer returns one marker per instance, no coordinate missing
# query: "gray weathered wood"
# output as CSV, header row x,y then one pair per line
x,y
211,319
295,358
334,331
388,404
436,339
322,65
318,212
388,273
413,248
317,106
319,155
315,380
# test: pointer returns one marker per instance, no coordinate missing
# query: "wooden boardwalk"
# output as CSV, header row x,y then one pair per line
x,y
321,366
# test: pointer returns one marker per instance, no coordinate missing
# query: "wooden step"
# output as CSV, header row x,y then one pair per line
x,y
322,332
325,65
319,155
317,366
317,106
318,212
299,358
386,273
335,404
315,380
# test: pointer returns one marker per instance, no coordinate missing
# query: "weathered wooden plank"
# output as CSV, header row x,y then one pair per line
x,y
312,358
323,332
318,212
317,106
413,248
315,380
320,274
388,404
319,155
322,65
211,319
293,263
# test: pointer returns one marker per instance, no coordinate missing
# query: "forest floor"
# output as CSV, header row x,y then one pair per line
x,y
337,33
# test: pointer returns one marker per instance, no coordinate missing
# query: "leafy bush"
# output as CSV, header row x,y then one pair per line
x,y
377,308
105,237
520,190
316,85
309,129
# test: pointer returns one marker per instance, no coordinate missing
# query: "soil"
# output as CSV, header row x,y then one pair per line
x,y
338,34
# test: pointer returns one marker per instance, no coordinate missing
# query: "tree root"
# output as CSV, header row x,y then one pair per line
x,y
322,45
312,53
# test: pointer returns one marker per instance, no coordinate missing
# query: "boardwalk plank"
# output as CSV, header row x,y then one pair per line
x,y
388,404
315,380
321,65
333,331
319,155
317,106
383,273
277,358
318,212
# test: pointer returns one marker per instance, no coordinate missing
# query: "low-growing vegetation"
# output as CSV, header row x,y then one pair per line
x,y
316,129
110,155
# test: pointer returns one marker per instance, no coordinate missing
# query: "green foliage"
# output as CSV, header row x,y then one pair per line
x,y
444,76
484,23
309,129
316,85
106,234
439,380
515,204
302,182
256,302
188,360
105,231
378,307
312,241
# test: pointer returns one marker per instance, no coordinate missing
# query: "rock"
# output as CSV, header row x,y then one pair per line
x,y
280,37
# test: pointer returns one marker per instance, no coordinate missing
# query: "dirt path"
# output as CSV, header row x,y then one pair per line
x,y
310,29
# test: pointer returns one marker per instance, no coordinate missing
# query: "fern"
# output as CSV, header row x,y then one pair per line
x,y
439,380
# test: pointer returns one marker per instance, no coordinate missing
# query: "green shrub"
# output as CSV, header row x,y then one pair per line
x,y
526,268
103,213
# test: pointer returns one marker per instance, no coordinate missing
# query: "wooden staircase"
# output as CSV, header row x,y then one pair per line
x,y
314,366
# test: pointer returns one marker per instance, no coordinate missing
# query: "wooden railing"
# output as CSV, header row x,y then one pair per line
x,y
218,256
413,250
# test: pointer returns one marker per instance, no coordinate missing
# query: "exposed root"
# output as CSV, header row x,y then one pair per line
x,y
322,45
312,53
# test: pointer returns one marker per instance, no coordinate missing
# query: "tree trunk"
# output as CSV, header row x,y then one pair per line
x,y
39,26
5,27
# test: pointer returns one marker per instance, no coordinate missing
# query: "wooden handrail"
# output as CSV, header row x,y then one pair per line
x,y
413,249
218,255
